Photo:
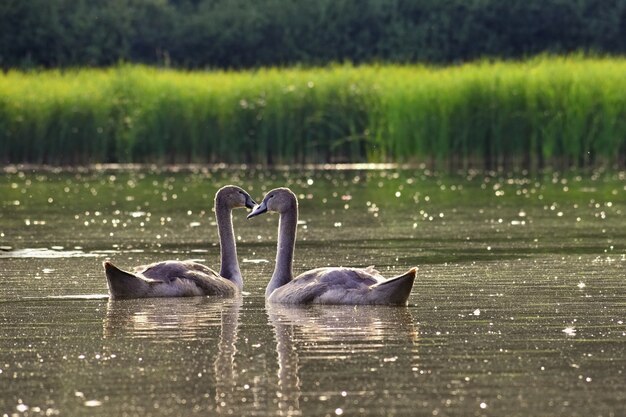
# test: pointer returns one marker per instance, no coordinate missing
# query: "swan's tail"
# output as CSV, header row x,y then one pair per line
x,y
122,284
396,290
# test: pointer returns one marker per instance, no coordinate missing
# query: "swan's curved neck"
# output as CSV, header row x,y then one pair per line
x,y
283,272
229,268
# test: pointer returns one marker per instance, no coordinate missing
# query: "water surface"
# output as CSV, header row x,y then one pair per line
x,y
518,309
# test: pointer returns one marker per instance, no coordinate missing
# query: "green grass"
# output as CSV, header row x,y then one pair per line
x,y
547,110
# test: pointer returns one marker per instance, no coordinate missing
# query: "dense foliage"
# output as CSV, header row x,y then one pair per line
x,y
253,33
532,113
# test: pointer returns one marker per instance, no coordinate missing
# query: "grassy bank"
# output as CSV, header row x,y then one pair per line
x,y
570,110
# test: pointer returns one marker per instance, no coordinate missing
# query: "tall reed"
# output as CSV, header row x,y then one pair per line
x,y
570,110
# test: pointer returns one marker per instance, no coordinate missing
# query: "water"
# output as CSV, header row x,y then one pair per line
x,y
518,310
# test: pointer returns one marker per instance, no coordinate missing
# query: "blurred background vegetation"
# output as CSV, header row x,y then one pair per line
x,y
255,33
487,83
543,111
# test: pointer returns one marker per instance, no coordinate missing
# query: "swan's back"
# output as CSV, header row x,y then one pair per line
x,y
169,270
345,286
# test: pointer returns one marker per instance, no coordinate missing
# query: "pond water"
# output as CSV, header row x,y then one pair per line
x,y
518,309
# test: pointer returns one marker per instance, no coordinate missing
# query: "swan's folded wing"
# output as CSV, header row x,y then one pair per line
x,y
201,268
303,289
211,284
347,279
170,270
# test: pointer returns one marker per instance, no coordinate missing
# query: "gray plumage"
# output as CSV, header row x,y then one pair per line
x,y
188,278
167,279
336,285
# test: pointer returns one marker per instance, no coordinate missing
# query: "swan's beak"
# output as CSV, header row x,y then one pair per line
x,y
260,209
250,203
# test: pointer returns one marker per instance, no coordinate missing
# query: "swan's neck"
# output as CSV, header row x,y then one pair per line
x,y
228,251
283,272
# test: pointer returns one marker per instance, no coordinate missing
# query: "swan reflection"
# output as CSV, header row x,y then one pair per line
x,y
326,336
170,320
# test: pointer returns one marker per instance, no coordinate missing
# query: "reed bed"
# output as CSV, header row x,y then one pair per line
x,y
570,110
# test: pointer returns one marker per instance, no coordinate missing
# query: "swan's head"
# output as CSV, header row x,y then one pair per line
x,y
280,200
233,197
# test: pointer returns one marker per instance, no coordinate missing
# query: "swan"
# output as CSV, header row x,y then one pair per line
x,y
188,278
330,285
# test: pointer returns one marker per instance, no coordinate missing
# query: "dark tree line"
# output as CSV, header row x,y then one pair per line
x,y
251,33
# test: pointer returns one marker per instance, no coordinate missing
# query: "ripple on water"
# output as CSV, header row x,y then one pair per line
x,y
46,253
71,297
